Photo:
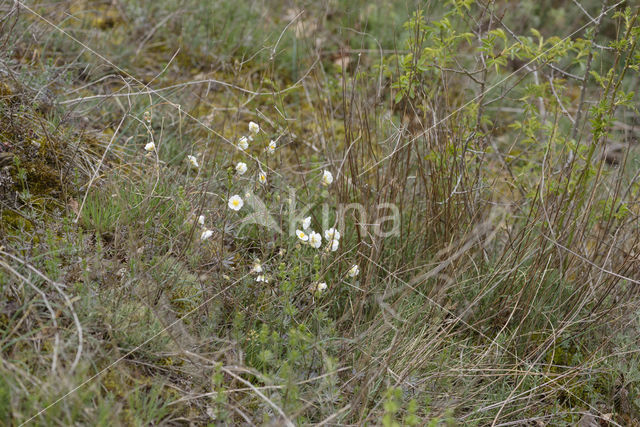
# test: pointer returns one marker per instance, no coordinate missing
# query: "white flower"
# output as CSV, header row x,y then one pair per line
x,y
333,237
201,220
243,143
302,235
271,148
193,161
327,178
322,286
354,270
261,278
235,203
241,168
257,267
315,239
254,128
262,177
150,146
331,234
206,234
306,223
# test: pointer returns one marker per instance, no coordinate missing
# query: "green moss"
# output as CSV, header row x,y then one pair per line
x,y
42,179
100,16
40,155
13,221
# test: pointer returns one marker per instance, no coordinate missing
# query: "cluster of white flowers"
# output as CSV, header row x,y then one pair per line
x,y
235,203
243,144
315,239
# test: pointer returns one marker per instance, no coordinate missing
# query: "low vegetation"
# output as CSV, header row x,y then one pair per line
x,y
343,212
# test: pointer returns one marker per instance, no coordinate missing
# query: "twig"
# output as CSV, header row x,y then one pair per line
x,y
576,124
66,299
56,345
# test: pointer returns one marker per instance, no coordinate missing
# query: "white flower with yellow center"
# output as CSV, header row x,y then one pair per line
x,y
333,238
206,234
331,234
315,239
201,220
235,203
261,278
262,177
150,146
302,235
322,286
306,223
271,148
243,143
354,270
327,178
254,128
194,161
241,168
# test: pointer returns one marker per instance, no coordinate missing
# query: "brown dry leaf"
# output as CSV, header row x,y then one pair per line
x,y
74,206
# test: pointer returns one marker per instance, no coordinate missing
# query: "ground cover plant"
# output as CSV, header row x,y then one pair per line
x,y
319,212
